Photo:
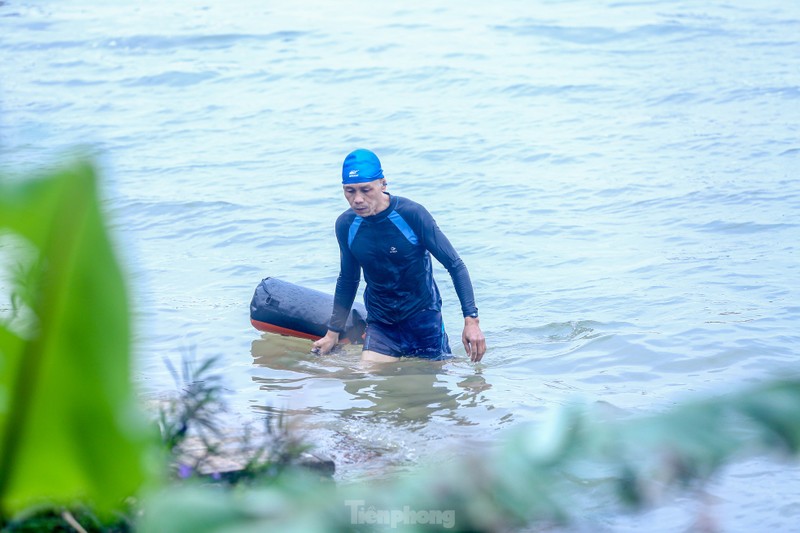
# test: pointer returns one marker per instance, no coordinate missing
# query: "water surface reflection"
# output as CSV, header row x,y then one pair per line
x,y
384,415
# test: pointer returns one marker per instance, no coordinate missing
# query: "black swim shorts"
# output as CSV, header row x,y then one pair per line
x,y
421,335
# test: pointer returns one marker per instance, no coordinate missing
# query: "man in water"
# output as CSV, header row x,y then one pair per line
x,y
392,238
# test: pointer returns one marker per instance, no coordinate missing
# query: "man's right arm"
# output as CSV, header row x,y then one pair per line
x,y
345,294
346,288
342,302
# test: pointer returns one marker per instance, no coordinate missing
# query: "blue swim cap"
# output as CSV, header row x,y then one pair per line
x,y
361,166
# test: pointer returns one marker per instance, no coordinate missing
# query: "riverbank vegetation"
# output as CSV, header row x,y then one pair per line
x,y
78,452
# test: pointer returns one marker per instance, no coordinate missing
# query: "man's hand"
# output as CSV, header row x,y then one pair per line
x,y
472,337
324,345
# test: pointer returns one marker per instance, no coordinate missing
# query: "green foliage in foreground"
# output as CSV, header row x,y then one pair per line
x,y
201,449
69,426
71,437
577,466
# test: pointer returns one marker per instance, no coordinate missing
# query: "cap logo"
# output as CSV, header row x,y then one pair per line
x,y
354,173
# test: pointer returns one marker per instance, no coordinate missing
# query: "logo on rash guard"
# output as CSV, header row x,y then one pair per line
x,y
392,250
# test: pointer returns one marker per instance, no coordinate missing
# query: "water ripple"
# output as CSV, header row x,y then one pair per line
x,y
160,43
170,79
590,35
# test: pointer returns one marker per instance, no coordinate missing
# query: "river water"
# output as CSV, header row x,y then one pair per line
x,y
621,179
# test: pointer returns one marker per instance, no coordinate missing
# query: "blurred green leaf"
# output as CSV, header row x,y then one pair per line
x,y
69,427
296,503
28,207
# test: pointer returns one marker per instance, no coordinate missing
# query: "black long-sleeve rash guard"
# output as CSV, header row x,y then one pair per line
x,y
392,247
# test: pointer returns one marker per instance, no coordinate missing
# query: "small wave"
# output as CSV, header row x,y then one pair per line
x,y
70,83
330,75
527,89
721,226
601,35
557,332
50,45
142,214
137,43
225,40
171,79
680,97
753,93
702,199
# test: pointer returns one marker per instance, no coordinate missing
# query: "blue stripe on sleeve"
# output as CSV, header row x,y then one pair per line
x,y
353,230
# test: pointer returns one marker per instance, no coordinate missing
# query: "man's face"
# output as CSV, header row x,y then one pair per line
x,y
367,198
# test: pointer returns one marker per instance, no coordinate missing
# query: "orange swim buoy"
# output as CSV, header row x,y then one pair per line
x,y
288,309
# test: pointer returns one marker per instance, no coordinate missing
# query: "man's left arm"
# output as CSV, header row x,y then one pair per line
x,y
472,336
440,247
